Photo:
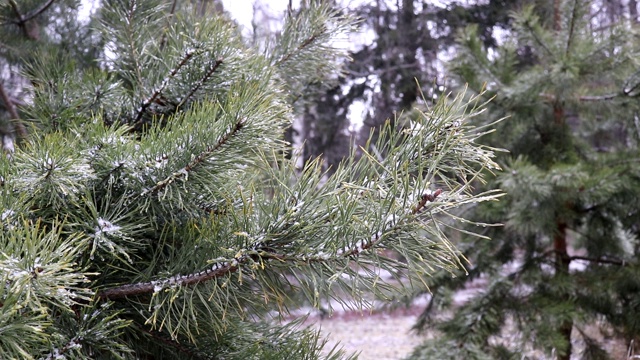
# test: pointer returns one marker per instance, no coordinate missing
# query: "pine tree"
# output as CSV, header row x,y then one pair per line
x,y
562,274
151,212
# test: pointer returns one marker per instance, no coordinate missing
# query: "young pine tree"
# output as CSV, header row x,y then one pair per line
x,y
562,274
151,212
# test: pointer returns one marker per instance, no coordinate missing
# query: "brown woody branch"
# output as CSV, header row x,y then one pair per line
x,y
426,198
172,343
216,271
13,112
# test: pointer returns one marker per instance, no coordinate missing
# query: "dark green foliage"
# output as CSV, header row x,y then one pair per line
x,y
565,261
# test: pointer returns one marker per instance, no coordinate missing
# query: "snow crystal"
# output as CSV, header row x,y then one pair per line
x,y
7,144
105,226
157,288
74,345
6,214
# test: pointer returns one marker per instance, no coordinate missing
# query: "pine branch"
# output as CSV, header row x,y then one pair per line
x,y
217,270
38,11
586,98
154,96
574,15
172,343
261,252
29,31
600,260
200,82
425,198
59,353
184,172
163,41
300,47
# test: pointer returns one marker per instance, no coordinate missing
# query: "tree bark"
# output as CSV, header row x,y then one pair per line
x,y
633,11
562,269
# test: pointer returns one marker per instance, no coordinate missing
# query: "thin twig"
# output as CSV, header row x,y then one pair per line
x,y
38,11
29,32
300,47
199,84
217,270
16,10
426,198
172,11
145,104
195,162
174,344
585,98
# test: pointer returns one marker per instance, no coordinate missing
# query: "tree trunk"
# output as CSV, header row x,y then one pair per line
x,y
633,11
562,269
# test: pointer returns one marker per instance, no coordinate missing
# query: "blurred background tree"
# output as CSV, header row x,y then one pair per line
x,y
561,275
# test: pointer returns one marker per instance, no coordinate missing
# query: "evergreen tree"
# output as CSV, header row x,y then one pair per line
x,y
408,40
565,263
149,212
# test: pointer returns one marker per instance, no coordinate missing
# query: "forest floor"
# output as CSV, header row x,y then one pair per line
x,y
386,334
375,336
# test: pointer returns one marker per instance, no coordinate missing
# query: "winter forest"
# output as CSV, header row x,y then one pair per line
x,y
200,179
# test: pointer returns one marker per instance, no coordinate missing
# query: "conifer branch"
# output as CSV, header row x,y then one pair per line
x,y
217,270
31,31
172,10
260,251
425,198
585,98
574,15
184,172
38,11
300,47
172,343
16,10
156,93
201,82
